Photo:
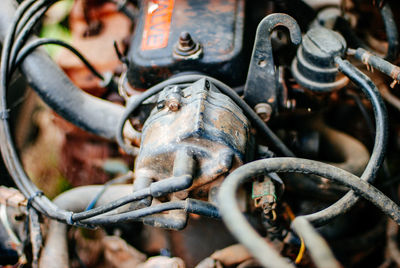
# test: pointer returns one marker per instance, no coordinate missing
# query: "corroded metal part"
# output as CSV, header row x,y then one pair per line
x,y
261,84
206,125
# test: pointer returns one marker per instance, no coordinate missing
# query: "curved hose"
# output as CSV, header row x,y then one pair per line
x,y
56,90
378,152
77,199
392,33
53,86
26,50
242,230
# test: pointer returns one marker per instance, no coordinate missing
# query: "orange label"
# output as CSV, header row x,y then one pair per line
x,y
157,24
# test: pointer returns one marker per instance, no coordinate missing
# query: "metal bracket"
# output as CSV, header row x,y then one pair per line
x,y
261,84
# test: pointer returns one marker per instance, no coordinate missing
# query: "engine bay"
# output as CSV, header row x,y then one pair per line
x,y
208,134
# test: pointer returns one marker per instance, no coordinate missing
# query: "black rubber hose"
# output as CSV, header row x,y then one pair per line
x,y
56,89
392,33
378,152
188,205
242,230
7,44
7,147
248,111
35,14
155,189
378,63
27,49
140,194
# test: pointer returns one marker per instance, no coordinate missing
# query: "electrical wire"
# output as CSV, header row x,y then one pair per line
x,y
35,14
316,244
33,11
27,49
116,180
244,232
392,33
8,41
27,16
41,203
302,250
188,205
302,246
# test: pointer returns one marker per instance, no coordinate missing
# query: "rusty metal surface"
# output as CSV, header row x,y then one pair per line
x,y
83,154
217,26
229,256
12,197
194,134
120,254
201,121
261,83
98,48
13,213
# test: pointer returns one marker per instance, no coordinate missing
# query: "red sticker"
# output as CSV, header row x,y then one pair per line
x,y
157,24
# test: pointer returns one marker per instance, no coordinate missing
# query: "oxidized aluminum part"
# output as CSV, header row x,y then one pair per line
x,y
201,121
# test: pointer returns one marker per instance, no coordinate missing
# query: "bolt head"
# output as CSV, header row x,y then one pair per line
x,y
264,110
186,43
173,105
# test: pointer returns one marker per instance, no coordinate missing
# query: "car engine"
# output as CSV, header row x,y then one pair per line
x,y
208,134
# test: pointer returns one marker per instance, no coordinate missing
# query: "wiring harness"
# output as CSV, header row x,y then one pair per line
x,y
16,49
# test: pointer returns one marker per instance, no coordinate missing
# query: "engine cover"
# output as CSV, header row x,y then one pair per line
x,y
160,49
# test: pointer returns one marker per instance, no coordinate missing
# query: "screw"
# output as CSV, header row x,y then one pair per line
x,y
173,105
173,99
264,110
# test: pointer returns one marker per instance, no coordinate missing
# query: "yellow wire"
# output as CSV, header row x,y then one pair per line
x,y
302,246
301,251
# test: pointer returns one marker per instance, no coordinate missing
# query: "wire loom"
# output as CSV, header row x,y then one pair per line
x,y
27,16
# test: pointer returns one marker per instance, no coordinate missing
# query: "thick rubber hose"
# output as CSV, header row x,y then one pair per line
x,y
56,89
243,231
378,152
